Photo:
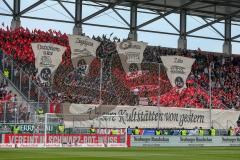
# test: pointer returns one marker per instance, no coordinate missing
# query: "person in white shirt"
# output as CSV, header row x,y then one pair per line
x,y
193,132
136,98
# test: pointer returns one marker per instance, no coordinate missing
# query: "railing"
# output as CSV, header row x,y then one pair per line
x,y
23,82
220,105
16,112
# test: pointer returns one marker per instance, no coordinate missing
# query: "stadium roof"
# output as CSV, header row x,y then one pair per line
x,y
206,8
211,12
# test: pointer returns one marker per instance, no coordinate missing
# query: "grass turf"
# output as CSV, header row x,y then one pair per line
x,y
173,153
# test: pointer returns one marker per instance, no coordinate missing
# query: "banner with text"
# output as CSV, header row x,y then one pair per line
x,y
145,116
178,68
131,55
62,138
83,52
157,141
48,56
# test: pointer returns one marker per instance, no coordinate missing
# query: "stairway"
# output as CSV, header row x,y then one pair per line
x,y
21,83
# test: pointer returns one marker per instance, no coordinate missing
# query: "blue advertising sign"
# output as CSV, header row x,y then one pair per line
x,y
149,132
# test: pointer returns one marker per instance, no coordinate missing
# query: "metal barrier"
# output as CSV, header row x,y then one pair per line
x,y
18,112
24,82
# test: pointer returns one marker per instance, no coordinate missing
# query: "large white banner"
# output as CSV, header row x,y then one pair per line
x,y
131,54
83,52
178,69
48,56
146,116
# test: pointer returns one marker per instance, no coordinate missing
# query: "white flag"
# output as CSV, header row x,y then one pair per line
x,y
83,52
48,56
178,69
131,55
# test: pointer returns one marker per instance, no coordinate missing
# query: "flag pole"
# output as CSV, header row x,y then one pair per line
x,y
100,85
210,94
158,103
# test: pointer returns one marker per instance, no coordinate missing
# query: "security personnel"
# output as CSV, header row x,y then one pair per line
x,y
61,128
16,129
114,131
92,130
40,111
6,73
157,132
129,130
183,132
136,131
230,131
212,132
200,132
165,132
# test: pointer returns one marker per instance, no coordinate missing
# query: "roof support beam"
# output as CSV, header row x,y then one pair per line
x,y
166,14
206,25
211,23
8,6
101,11
115,10
182,41
77,29
31,7
68,12
16,8
16,22
133,22
121,17
236,37
219,3
170,23
154,19
214,28
227,45
47,19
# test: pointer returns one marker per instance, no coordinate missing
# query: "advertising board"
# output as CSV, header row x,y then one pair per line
x,y
157,141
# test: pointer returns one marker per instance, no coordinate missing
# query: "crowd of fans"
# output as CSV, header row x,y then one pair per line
x,y
11,111
114,86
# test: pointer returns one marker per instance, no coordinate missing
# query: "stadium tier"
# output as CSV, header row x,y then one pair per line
x,y
72,91
108,81
88,92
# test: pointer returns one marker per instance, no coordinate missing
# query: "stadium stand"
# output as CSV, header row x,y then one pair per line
x,y
12,110
117,87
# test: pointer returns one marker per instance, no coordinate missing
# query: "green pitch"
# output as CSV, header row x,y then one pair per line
x,y
193,153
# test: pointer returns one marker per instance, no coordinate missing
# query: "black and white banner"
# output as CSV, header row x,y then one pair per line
x,y
146,116
178,69
83,52
48,56
131,55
